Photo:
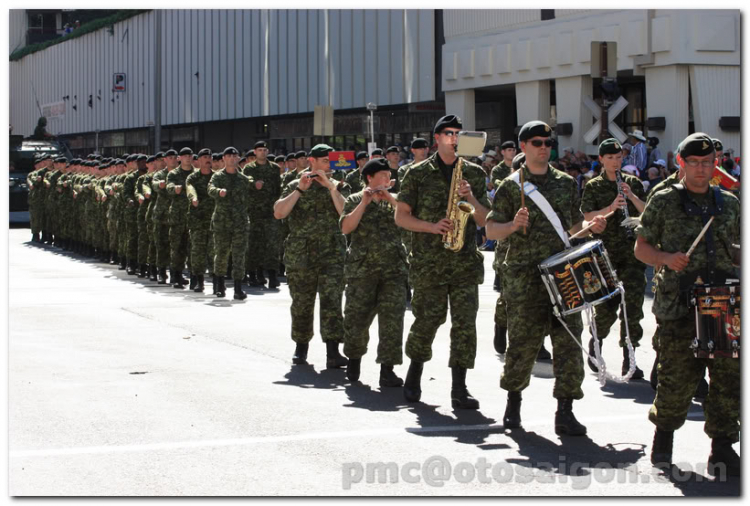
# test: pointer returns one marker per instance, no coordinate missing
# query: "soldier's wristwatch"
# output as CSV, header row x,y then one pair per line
x,y
297,189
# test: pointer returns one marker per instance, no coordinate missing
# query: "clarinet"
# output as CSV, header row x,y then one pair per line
x,y
628,230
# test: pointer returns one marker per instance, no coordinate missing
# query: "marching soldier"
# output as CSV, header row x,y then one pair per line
x,y
375,269
392,155
600,196
440,276
354,178
178,211
36,198
314,255
143,197
199,218
505,167
671,221
230,190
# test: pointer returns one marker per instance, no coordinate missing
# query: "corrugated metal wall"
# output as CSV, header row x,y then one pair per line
x,y
458,22
227,64
17,26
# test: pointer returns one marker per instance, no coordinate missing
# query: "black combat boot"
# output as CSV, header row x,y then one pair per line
x,y
35,237
460,396
661,450
261,279
334,359
273,281
177,280
592,352
543,355
131,267
162,276
282,270
153,273
723,460
144,271
199,284
501,341
388,378
113,260
353,369
565,420
214,283
252,279
413,382
123,263
193,281
300,354
702,391
238,293
221,289
638,374
512,417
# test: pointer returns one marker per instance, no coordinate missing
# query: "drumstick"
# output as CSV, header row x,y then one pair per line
x,y
523,194
586,229
700,236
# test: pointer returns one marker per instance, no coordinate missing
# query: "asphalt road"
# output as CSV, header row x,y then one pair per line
x,y
120,386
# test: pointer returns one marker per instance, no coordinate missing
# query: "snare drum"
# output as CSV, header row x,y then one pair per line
x,y
582,274
717,320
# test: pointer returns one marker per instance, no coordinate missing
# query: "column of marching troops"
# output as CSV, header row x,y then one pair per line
x,y
376,234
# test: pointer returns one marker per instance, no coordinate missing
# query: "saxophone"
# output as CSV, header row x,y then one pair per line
x,y
458,212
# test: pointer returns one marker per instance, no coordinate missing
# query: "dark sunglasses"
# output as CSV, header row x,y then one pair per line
x,y
538,144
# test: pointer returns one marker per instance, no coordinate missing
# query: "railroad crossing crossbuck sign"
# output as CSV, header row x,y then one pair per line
x,y
612,113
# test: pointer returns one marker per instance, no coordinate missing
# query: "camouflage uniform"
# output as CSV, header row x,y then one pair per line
x,y
131,215
264,240
35,181
178,213
314,258
374,272
199,221
230,222
438,274
354,180
529,310
500,172
50,207
598,194
159,218
143,191
664,222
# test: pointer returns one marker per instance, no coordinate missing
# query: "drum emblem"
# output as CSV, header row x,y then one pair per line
x,y
590,284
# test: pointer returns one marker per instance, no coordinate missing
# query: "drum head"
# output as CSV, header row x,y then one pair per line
x,y
566,255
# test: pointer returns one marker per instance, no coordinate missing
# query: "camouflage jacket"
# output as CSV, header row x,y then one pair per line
x,y
665,223
197,188
598,194
672,179
354,180
375,248
314,236
260,204
426,191
499,172
178,207
525,252
230,211
160,196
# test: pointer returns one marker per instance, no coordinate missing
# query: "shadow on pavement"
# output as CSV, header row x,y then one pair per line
x,y
305,376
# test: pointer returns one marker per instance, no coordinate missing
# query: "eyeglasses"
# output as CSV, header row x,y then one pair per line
x,y
708,164
450,133
538,144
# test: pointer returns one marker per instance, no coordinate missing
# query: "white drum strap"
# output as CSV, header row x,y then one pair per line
x,y
531,191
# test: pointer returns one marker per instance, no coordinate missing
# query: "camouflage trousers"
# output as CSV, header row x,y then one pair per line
x,y
366,298
679,374
201,246
144,239
264,243
131,232
230,241
528,324
633,278
429,305
326,281
161,242
112,227
36,215
501,310
178,245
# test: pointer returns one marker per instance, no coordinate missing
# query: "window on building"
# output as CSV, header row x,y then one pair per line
x,y
548,14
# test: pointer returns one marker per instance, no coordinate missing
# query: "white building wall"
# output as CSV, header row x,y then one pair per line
x,y
667,96
18,23
569,94
249,63
714,89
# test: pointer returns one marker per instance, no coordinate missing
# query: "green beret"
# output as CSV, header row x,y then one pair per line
x,y
170,152
377,151
507,145
610,147
374,166
260,144
320,150
142,157
419,143
290,157
216,156
534,129
301,154
204,152
449,121
363,154
718,146
151,159
186,151
230,151
159,155
697,144
392,149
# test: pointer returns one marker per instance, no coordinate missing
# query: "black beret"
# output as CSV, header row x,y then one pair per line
x,y
230,151
419,143
204,152
302,154
126,155
120,161
362,154
170,152
289,157
150,159
142,157
186,151
195,157
518,160
377,151
534,129
90,156
392,149
159,155
105,166
507,145
697,144
718,146
610,147
374,166
271,158
243,159
250,153
260,144
449,121
131,158
216,156
320,150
